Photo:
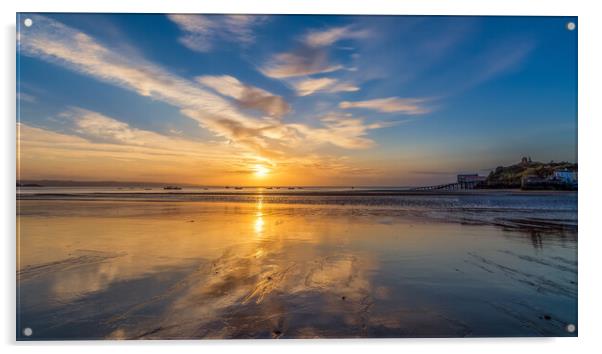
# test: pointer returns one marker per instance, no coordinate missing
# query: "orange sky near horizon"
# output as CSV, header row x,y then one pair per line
x,y
45,155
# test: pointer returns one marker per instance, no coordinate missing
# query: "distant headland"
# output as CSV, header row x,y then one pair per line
x,y
526,175
529,174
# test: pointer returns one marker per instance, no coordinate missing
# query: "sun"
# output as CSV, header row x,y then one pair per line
x,y
260,170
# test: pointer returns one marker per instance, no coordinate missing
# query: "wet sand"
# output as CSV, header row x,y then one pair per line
x,y
261,268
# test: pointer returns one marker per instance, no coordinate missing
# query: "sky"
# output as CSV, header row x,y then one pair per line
x,y
291,99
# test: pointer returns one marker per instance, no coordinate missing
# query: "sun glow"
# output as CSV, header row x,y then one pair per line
x,y
260,170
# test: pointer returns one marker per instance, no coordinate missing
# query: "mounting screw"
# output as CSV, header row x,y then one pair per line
x,y
571,26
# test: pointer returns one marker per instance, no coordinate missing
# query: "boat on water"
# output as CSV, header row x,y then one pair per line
x,y
172,188
238,188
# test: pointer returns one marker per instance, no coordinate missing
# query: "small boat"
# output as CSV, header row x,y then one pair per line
x,y
291,187
238,188
172,187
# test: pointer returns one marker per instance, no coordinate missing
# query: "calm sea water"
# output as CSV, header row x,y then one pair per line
x,y
255,263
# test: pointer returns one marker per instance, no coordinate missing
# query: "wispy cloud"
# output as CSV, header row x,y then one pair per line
x,y
503,58
202,31
305,61
247,96
25,97
343,131
98,128
332,35
310,86
390,105
311,56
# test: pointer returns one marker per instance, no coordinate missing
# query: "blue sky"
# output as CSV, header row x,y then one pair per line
x,y
372,100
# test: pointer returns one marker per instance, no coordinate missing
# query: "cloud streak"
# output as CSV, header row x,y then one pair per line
x,y
332,35
310,86
343,131
25,97
389,105
305,61
201,31
311,57
98,128
247,96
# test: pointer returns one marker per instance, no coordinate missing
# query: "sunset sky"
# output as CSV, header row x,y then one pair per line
x,y
291,100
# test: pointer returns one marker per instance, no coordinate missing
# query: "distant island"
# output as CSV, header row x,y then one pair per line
x,y
29,185
70,183
533,175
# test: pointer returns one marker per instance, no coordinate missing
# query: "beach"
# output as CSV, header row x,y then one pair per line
x,y
324,263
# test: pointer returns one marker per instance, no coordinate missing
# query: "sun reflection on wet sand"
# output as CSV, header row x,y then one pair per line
x,y
258,226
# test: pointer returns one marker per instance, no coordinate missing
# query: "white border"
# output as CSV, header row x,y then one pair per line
x,y
590,116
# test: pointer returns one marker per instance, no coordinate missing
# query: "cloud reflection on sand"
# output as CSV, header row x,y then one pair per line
x,y
257,294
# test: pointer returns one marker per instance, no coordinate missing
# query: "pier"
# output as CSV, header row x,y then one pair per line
x,y
464,182
450,186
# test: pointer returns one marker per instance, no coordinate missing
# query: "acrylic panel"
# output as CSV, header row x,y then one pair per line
x,y
186,176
